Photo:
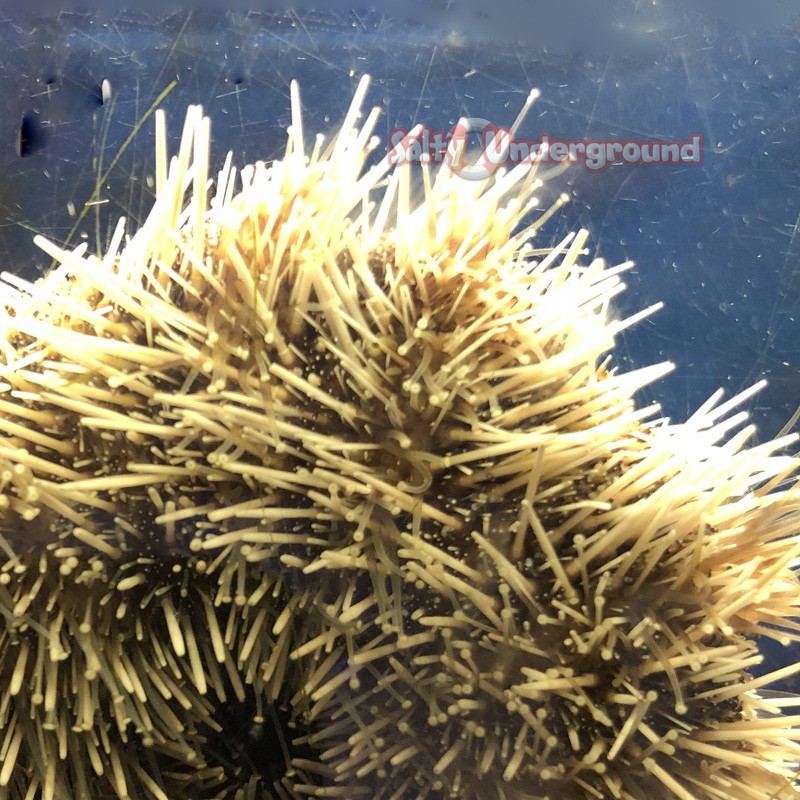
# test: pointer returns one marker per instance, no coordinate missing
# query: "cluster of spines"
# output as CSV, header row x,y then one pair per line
x,y
277,448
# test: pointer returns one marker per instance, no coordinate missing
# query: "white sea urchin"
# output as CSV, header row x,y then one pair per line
x,y
373,481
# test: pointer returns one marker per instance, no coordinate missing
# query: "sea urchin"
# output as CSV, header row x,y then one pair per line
x,y
301,502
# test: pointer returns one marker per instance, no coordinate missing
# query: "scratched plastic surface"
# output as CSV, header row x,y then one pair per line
x,y
716,242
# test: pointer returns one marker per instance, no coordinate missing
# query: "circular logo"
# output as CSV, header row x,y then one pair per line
x,y
494,148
